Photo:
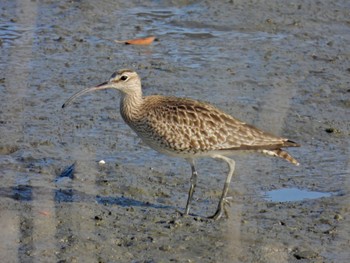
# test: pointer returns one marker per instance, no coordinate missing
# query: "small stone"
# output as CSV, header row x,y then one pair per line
x,y
332,130
282,223
330,231
305,254
325,221
165,248
176,223
338,217
102,162
98,218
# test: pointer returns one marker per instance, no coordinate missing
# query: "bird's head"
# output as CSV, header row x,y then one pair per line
x,y
126,80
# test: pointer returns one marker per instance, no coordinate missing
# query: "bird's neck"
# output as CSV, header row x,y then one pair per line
x,y
131,106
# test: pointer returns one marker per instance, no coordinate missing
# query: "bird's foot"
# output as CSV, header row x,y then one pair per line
x,y
182,214
221,210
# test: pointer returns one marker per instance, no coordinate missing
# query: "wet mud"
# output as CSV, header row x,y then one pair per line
x,y
282,66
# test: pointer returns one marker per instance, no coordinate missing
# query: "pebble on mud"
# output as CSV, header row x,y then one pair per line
x,y
165,248
305,254
102,162
175,223
338,217
332,130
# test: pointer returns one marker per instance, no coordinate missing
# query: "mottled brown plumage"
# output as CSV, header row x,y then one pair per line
x,y
185,126
188,128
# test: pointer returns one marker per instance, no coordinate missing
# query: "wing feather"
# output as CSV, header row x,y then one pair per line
x,y
186,125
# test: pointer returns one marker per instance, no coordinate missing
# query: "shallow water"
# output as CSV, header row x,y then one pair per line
x,y
281,66
293,194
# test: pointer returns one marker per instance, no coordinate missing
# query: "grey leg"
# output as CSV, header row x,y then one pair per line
x,y
193,181
224,200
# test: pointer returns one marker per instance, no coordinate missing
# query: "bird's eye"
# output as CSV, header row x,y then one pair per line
x,y
123,77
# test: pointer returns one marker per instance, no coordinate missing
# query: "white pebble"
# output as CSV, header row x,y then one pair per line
x,y
101,162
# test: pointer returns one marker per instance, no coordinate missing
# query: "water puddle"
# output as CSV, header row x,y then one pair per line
x,y
293,194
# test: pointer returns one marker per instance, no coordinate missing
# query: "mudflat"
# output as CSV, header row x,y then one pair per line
x,y
279,65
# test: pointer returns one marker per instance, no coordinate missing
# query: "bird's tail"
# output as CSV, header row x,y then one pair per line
x,y
282,154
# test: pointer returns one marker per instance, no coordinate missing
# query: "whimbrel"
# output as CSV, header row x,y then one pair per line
x,y
188,129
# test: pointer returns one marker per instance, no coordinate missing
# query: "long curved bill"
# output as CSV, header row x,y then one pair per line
x,y
102,86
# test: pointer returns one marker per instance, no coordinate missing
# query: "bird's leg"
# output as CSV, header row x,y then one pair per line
x,y
224,200
193,181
